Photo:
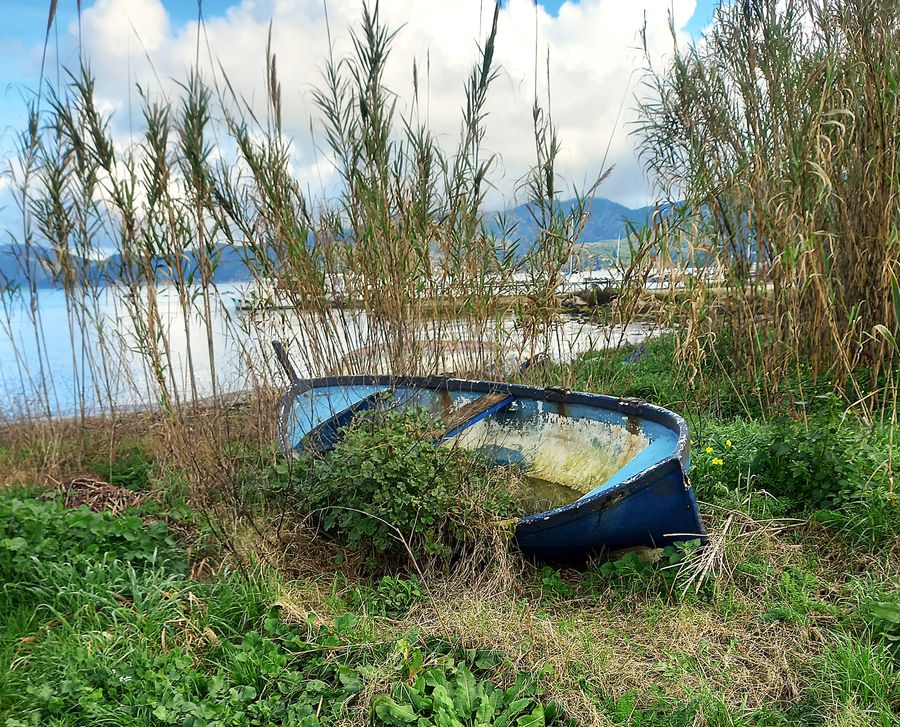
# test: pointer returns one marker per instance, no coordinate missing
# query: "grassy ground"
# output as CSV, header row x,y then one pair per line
x,y
789,617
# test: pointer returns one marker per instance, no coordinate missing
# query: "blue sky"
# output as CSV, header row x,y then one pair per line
x,y
24,23
584,46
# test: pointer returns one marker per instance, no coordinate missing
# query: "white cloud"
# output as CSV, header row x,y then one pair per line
x,y
594,49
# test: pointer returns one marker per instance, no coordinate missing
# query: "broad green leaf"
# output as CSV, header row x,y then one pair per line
x,y
517,705
535,719
161,713
465,695
416,694
435,677
349,679
14,544
887,612
442,698
486,711
392,713
344,623
445,719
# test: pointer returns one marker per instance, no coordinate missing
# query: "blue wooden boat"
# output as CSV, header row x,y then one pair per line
x,y
623,461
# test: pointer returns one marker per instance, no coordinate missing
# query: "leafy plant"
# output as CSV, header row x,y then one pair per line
x,y
819,464
795,597
392,596
830,466
451,696
553,583
385,487
88,599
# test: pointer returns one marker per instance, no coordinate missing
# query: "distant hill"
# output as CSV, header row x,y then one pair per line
x,y
17,268
607,220
13,265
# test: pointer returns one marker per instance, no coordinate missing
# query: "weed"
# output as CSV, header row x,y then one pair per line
x,y
450,694
646,570
385,488
39,535
392,596
553,583
795,598
830,467
131,469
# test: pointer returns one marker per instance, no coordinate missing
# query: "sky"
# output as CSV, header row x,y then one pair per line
x,y
593,45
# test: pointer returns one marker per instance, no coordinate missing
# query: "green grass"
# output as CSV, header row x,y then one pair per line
x,y
102,625
809,454
114,620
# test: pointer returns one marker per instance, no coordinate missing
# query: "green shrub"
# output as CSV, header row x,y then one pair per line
x,y
36,535
385,483
130,469
830,466
451,695
820,464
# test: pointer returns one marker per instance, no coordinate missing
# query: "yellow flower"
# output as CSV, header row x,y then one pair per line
x,y
728,444
718,460
709,450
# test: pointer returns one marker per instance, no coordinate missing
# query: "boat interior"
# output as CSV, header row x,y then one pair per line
x,y
564,451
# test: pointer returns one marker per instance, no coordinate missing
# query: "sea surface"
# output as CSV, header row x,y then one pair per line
x,y
58,362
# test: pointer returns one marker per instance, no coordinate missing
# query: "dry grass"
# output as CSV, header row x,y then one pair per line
x,y
97,496
193,438
600,646
771,130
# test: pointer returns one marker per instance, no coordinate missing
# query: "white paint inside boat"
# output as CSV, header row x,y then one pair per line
x,y
581,454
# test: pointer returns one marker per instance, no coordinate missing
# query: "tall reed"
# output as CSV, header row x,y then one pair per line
x,y
402,272
777,133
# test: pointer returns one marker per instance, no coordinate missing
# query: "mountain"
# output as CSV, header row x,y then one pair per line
x,y
18,268
607,220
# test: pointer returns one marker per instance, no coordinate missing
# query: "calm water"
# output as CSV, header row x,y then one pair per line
x,y
65,363
101,364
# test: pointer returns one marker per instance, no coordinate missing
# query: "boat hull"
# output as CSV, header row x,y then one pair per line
x,y
647,503
655,510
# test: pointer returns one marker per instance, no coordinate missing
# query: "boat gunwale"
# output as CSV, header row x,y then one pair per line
x,y
565,513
